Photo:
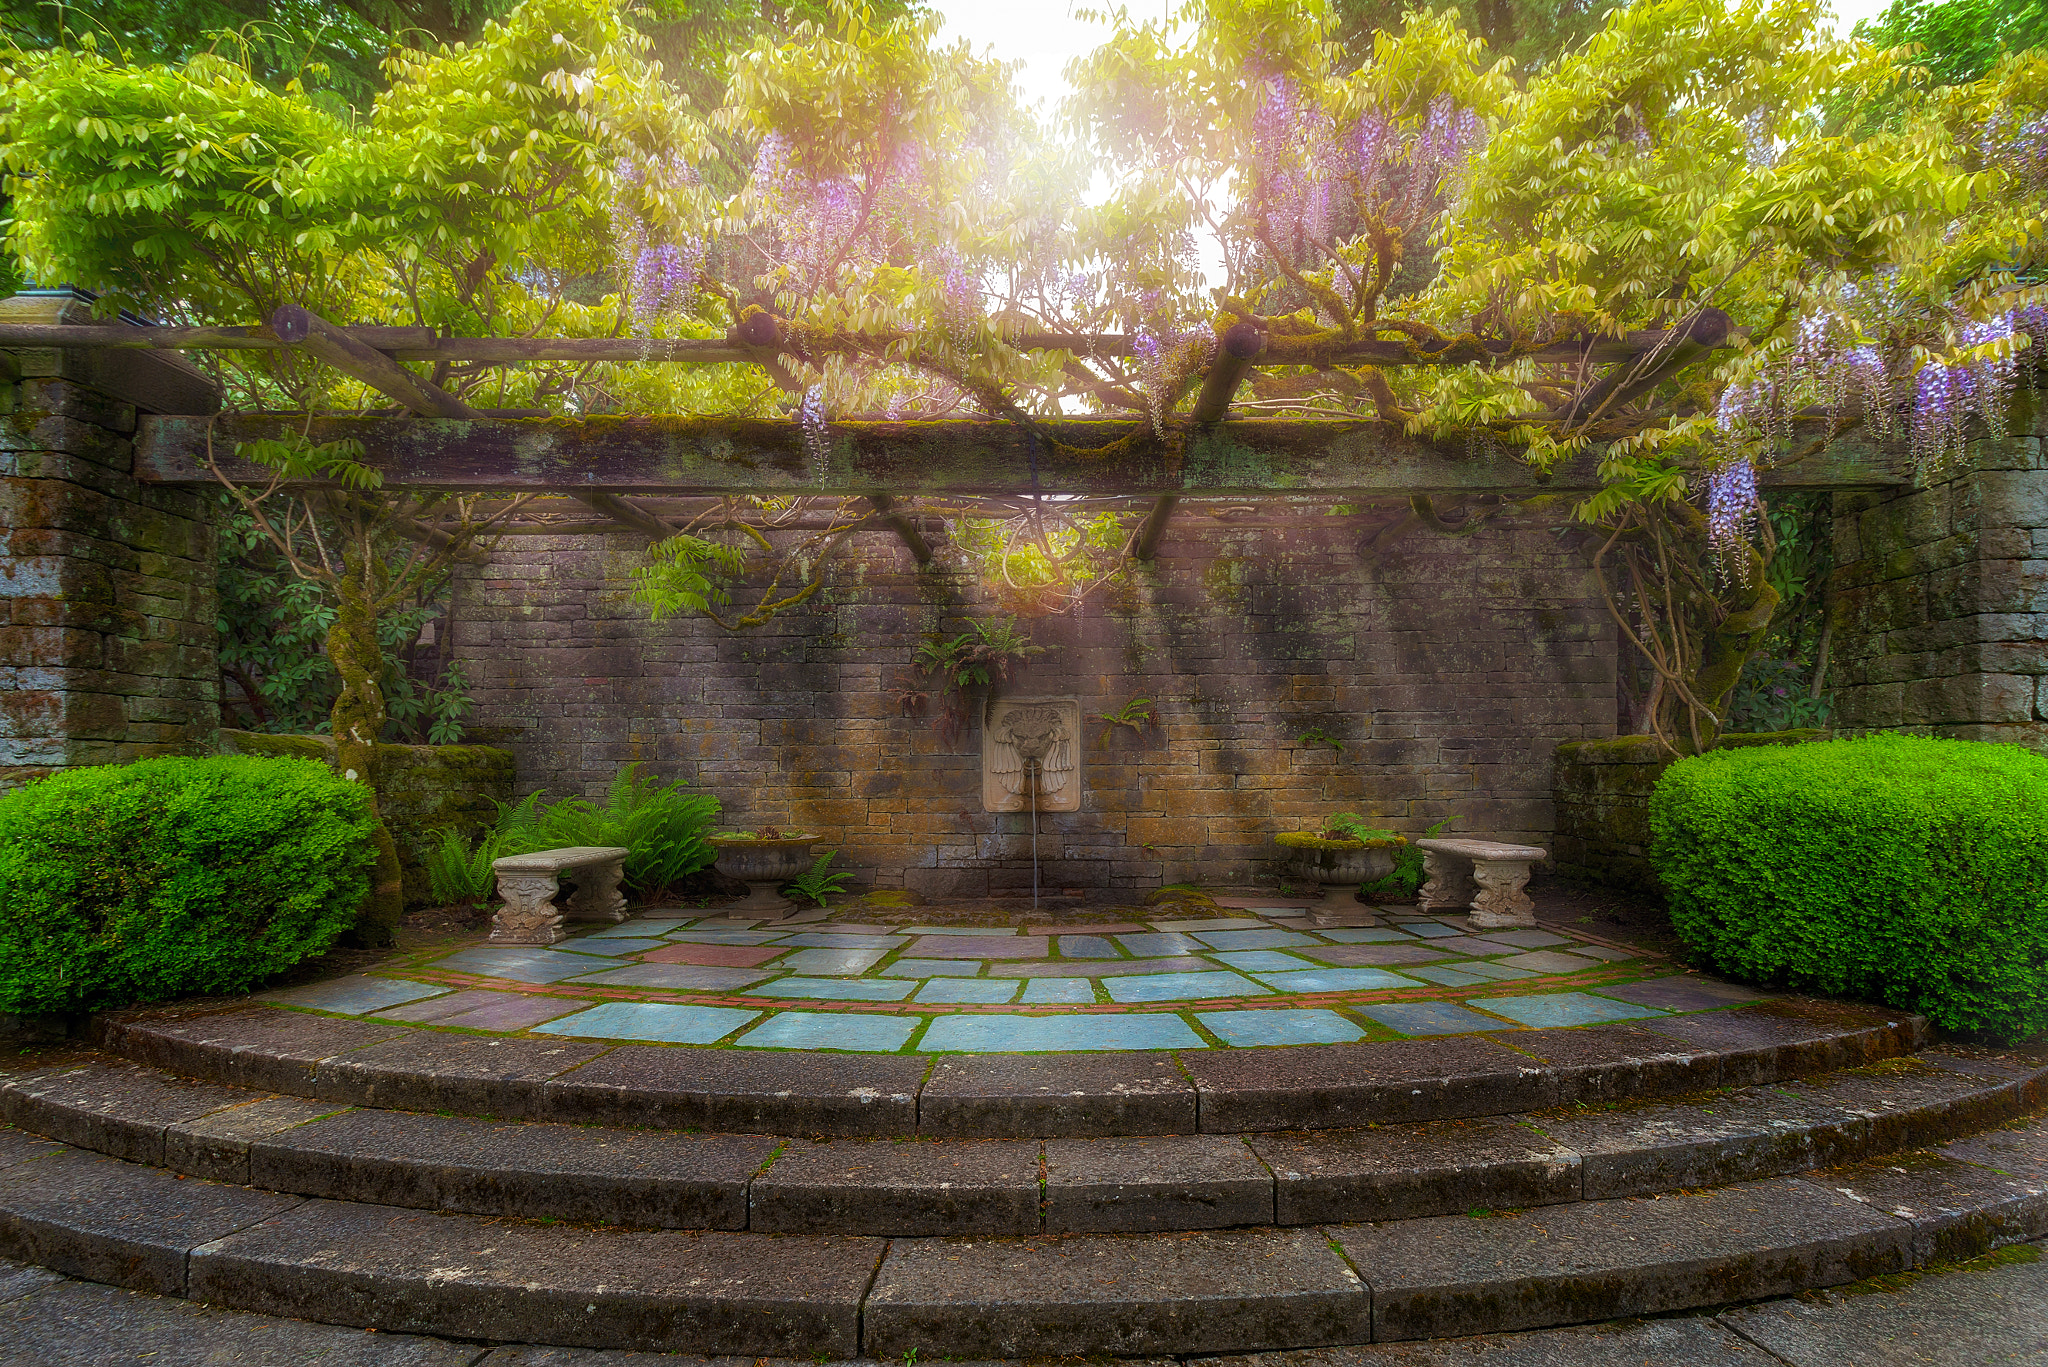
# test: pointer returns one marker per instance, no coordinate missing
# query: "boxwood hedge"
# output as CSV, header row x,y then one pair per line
x,y
170,877
1902,869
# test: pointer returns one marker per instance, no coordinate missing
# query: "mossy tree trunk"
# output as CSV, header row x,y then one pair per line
x,y
358,714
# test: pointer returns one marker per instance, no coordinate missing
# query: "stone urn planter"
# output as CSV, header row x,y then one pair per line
x,y
765,863
1337,861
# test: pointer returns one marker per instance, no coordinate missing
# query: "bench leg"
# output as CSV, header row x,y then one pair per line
x,y
1501,902
1450,881
528,915
597,896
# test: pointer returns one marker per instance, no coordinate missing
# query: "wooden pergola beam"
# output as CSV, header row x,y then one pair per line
x,y
421,344
317,337
679,457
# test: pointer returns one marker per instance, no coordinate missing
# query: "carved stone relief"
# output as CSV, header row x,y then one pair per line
x,y
1031,746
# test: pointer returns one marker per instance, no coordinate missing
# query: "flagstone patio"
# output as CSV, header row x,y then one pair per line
x,y
1249,977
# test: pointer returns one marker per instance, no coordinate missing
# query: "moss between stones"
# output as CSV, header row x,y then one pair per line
x,y
421,790
1309,840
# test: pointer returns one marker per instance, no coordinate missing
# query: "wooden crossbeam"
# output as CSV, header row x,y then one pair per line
x,y
421,344
677,456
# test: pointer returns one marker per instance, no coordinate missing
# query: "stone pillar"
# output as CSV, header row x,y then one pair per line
x,y
107,598
1941,597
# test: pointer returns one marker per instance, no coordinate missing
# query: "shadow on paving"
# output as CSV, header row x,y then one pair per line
x,y
1993,1310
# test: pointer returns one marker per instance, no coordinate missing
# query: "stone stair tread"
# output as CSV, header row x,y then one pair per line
x,y
802,1295
1002,1095
947,1186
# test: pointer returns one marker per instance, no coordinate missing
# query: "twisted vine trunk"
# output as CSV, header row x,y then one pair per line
x,y
358,719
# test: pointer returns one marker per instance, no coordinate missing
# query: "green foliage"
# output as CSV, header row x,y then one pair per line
x,y
815,885
1959,40
979,657
1527,32
1408,876
1135,713
1353,825
458,873
686,575
1907,870
1318,738
273,627
172,877
663,826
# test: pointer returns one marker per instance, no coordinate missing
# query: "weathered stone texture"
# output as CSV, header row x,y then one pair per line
x,y
1941,597
107,601
1449,670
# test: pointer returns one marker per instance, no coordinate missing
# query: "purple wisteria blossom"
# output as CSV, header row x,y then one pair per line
x,y
1732,508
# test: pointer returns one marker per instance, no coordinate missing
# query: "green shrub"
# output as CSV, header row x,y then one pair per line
x,y
662,825
1906,870
147,881
458,874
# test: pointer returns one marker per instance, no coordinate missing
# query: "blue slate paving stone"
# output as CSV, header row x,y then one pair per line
x,y
608,946
1429,930
1364,935
1683,993
357,994
1527,939
1447,977
1606,953
987,991
1231,923
1261,961
820,940
658,1022
822,1030
838,989
1148,946
848,961
1255,939
1173,987
640,925
1336,980
531,965
1087,947
1550,961
1430,1018
678,977
1056,1034
1563,1008
960,930
728,937
1040,991
932,968
1495,972
1247,1028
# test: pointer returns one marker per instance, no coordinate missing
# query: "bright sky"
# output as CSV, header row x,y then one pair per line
x,y
1045,35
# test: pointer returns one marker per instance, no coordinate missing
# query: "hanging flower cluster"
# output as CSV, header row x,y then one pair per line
x,y
1858,351
660,276
1732,508
1309,174
1168,357
817,433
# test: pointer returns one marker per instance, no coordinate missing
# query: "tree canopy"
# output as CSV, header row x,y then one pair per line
x,y
924,246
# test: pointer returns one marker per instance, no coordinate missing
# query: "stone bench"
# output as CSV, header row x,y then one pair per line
x,y
1485,875
529,884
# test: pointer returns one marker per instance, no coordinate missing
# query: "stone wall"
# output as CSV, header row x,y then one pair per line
x,y
1449,670
1941,596
107,615
422,790
1602,789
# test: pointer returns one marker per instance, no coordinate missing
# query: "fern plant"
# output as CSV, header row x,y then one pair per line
x,y
459,875
661,825
815,885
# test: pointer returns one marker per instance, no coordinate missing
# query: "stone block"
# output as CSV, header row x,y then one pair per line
x,y
887,1187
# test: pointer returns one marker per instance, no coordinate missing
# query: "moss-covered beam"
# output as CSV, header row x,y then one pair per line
x,y
1083,456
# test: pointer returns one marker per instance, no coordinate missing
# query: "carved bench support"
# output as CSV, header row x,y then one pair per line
x,y
1485,875
530,883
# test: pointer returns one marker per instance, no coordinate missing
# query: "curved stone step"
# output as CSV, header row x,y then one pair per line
x,y
419,1068
1243,1290
666,1179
